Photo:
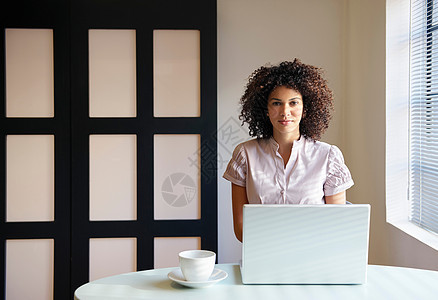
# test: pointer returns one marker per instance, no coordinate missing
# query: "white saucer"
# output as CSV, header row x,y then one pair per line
x,y
217,275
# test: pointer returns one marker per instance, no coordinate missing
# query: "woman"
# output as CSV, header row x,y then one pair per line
x,y
288,108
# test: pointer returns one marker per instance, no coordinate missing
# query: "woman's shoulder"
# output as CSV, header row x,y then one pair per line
x,y
251,148
253,143
320,147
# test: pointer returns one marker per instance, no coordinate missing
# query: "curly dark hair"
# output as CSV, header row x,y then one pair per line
x,y
306,79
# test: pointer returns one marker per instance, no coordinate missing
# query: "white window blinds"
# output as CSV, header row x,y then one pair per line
x,y
423,191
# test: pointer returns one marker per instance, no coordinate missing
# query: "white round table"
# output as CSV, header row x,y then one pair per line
x,y
383,283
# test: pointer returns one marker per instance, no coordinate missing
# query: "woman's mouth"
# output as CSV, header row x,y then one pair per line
x,y
285,122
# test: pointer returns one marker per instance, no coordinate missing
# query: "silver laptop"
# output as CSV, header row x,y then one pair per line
x,y
305,244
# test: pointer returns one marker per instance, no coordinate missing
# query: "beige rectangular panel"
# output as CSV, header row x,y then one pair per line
x,y
29,269
111,256
177,176
112,73
177,73
113,177
29,73
166,249
30,178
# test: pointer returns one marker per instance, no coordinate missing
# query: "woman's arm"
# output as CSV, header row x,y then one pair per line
x,y
338,198
238,194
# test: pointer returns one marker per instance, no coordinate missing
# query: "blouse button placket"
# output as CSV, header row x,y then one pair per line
x,y
280,173
281,179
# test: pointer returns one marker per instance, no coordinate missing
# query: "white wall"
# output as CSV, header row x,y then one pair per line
x,y
347,39
252,33
365,133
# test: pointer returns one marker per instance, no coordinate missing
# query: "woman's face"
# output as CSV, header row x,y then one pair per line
x,y
285,110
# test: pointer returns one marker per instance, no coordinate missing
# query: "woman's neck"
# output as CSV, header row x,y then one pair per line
x,y
285,144
286,141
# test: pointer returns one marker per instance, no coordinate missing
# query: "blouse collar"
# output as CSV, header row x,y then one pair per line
x,y
297,144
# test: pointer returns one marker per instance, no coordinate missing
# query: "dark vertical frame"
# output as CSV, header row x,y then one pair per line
x,y
71,126
54,15
144,17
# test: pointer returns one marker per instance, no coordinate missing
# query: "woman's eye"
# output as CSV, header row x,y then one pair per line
x,y
276,103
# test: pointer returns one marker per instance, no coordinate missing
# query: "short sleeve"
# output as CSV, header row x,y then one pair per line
x,y
338,176
237,167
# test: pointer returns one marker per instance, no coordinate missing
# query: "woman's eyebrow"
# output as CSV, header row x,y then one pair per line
x,y
278,99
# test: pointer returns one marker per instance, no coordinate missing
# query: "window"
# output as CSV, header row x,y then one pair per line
x,y
423,138
412,118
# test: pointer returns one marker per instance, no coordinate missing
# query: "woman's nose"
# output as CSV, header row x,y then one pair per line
x,y
285,110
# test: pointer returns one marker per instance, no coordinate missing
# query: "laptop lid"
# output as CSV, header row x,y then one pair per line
x,y
305,244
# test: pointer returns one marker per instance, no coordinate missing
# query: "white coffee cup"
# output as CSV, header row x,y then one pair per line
x,y
197,265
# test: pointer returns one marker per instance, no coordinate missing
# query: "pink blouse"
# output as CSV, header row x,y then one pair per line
x,y
314,169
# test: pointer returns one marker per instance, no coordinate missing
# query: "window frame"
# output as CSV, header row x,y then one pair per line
x,y
397,122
